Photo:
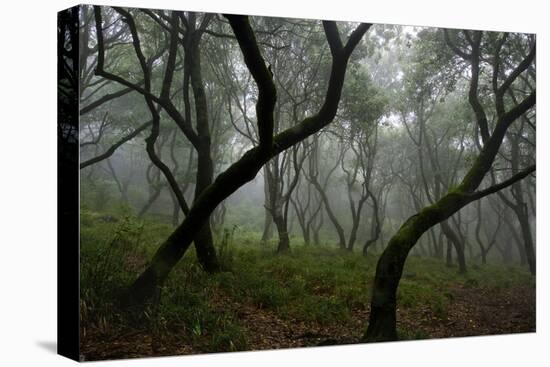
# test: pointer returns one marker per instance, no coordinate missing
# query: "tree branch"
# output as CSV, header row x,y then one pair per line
x,y
453,47
109,152
262,76
106,98
492,189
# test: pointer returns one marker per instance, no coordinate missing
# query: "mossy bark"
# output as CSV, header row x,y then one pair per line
x,y
382,320
246,168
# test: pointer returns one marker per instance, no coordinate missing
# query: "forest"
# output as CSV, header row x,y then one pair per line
x,y
253,183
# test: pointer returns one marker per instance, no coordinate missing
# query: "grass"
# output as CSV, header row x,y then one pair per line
x,y
319,285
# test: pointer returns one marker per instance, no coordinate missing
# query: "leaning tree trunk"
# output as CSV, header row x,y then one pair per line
x,y
382,320
331,215
246,168
376,225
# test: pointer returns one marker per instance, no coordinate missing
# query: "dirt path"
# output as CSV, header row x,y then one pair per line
x,y
482,311
470,311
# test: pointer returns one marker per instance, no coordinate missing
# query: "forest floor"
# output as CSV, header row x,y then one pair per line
x,y
313,296
472,312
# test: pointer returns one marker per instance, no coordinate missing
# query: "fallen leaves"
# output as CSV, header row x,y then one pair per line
x,y
471,311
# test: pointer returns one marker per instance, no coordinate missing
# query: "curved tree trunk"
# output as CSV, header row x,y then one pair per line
x,y
382,321
376,225
332,217
245,168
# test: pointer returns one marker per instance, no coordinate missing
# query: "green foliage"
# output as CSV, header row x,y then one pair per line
x,y
312,285
363,103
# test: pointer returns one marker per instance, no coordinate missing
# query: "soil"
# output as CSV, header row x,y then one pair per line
x,y
470,311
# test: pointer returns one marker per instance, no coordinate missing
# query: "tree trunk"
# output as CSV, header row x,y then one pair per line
x,y
453,238
175,210
449,257
368,245
267,234
152,198
284,240
506,252
376,225
483,257
305,233
204,243
352,237
527,238
316,228
332,217
246,167
268,219
521,210
382,322
435,247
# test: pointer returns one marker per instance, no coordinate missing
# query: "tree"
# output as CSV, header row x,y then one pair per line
x,y
382,319
200,139
246,168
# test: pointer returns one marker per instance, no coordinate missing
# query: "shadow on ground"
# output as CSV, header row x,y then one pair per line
x,y
50,346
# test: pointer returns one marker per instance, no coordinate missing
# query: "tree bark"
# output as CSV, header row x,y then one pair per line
x,y
449,257
284,240
268,219
246,168
457,244
382,321
204,243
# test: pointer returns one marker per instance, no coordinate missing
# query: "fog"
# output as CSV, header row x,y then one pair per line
x,y
280,136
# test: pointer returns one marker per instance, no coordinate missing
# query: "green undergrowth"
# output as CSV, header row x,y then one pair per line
x,y
311,284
